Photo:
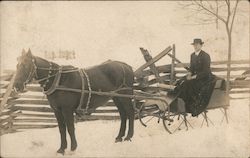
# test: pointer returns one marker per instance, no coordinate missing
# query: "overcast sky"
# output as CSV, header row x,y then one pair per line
x,y
99,31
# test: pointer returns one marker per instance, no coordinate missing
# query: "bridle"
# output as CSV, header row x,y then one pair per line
x,y
33,73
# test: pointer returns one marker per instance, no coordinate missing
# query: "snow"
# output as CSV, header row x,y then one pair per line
x,y
77,29
96,139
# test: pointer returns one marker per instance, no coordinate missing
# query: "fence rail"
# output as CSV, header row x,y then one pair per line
x,y
28,110
32,110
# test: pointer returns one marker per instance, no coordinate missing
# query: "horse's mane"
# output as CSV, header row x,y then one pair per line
x,y
44,61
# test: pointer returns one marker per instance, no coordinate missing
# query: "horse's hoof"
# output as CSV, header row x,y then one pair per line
x,y
73,147
61,151
118,140
127,139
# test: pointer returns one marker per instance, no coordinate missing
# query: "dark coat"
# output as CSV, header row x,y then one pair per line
x,y
196,93
200,66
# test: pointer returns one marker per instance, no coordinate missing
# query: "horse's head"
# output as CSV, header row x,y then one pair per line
x,y
25,71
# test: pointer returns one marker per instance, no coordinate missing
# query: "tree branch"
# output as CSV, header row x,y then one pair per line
x,y
206,9
208,23
228,12
234,13
210,6
187,5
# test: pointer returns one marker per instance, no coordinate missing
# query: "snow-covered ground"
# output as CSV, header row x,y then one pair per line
x,y
125,26
96,139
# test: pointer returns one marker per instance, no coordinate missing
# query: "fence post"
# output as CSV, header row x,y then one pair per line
x,y
152,67
10,123
7,93
153,60
172,75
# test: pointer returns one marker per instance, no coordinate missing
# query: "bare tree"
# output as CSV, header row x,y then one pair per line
x,y
208,12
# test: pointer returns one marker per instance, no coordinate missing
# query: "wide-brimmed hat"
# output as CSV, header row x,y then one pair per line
x,y
197,40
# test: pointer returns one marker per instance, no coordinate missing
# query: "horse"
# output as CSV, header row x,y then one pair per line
x,y
108,76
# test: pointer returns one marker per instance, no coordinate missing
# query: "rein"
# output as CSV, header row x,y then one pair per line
x,y
50,69
55,85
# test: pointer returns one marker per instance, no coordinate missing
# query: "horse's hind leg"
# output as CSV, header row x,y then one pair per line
x,y
62,129
128,106
123,117
69,120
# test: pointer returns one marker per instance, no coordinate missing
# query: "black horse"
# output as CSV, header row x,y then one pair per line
x,y
109,76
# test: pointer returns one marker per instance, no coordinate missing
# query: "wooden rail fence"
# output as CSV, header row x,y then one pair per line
x,y
31,109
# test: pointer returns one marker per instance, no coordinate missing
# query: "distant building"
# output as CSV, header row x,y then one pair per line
x,y
61,54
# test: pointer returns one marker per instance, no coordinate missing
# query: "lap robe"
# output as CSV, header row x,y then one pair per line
x,y
196,93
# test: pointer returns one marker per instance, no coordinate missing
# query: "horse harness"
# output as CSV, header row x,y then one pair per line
x,y
55,85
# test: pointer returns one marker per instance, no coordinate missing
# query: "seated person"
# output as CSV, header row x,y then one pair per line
x,y
196,88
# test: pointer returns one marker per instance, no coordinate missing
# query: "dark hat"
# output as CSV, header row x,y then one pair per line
x,y
197,40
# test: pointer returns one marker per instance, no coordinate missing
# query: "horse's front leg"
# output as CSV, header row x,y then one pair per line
x,y
69,120
62,129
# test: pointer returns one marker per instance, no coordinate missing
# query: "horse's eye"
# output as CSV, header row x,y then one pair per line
x,y
21,65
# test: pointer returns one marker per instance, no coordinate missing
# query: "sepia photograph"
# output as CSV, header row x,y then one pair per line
x,y
125,79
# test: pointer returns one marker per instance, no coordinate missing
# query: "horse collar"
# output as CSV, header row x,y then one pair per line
x,y
49,75
55,83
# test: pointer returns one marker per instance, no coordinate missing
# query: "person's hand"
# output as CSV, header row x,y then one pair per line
x,y
188,77
193,77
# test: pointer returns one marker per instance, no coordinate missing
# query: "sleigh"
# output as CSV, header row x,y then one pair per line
x,y
172,112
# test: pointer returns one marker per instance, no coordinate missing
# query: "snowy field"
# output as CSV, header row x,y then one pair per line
x,y
96,139
107,30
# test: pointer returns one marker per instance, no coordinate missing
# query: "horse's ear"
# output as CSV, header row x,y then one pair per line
x,y
23,52
29,52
